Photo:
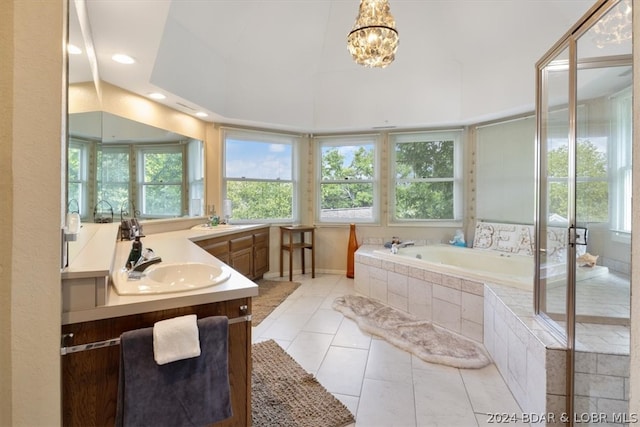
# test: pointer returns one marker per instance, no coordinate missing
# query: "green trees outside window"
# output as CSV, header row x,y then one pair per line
x,y
592,187
347,181
162,186
112,177
258,176
425,177
76,177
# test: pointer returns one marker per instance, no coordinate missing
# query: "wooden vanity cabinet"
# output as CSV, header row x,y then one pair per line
x,y
90,377
217,248
241,255
246,251
261,253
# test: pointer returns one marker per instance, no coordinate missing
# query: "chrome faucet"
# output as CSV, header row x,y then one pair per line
x,y
139,260
144,262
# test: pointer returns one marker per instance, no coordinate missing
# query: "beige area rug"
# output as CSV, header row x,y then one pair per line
x,y
285,395
422,338
271,294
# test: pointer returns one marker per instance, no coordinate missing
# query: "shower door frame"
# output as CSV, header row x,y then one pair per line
x,y
568,42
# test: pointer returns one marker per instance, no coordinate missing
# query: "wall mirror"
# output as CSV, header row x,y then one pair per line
x,y
118,166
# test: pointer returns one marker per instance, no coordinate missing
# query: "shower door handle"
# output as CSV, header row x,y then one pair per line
x,y
578,235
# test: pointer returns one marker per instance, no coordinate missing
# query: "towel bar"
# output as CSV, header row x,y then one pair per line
x,y
116,341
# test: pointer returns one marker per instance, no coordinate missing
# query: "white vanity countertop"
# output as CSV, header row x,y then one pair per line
x,y
91,254
100,249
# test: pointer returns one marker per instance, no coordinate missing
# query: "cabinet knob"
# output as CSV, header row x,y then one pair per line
x,y
244,309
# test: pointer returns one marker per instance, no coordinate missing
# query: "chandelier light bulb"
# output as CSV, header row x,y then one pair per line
x,y
615,26
373,41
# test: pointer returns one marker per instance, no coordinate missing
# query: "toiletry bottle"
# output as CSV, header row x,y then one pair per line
x,y
214,219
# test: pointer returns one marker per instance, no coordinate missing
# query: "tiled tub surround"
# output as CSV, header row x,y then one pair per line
x,y
530,359
533,363
602,384
449,301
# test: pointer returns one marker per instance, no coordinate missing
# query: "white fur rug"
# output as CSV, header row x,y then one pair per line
x,y
422,338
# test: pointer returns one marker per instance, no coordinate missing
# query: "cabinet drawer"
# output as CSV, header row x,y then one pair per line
x,y
217,249
240,243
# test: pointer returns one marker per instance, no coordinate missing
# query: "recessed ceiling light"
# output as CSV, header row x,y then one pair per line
x,y
73,49
202,114
123,59
156,95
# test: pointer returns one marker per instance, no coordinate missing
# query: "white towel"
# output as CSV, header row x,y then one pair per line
x,y
176,339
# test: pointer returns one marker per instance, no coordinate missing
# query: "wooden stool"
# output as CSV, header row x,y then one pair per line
x,y
290,245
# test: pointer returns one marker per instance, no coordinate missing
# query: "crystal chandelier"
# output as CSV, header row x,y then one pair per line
x,y
615,26
374,40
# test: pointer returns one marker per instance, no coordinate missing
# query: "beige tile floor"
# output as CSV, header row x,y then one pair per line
x,y
381,384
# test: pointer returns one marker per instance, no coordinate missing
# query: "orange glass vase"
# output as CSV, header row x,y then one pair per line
x,y
351,251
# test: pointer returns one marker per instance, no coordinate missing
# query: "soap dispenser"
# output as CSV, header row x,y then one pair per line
x,y
136,252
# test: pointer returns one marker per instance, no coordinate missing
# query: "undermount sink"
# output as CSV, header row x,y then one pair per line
x,y
169,278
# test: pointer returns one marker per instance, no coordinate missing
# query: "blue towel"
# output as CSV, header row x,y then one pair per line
x,y
189,392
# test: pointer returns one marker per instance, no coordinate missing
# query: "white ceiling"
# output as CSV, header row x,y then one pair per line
x,y
284,63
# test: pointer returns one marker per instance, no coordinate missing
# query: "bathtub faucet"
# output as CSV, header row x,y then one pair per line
x,y
398,245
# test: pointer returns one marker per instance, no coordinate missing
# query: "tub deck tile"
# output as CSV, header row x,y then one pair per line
x,y
451,282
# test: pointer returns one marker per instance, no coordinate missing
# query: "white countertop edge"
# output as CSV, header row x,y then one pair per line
x,y
149,303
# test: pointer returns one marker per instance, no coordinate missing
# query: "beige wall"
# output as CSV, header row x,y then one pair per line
x,y
31,211
6,189
83,98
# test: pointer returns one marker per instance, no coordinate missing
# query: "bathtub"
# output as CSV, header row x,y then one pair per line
x,y
486,266
479,265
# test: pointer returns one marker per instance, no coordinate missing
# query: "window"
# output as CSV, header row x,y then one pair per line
x,y
78,177
348,190
161,181
112,179
259,176
427,176
195,154
621,161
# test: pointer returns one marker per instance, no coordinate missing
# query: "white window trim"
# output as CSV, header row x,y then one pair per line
x,y
265,137
458,177
349,140
140,151
85,153
620,165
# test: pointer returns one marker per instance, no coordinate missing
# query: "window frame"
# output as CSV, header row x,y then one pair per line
x,y
457,179
100,151
195,177
349,141
139,158
262,137
85,148
620,164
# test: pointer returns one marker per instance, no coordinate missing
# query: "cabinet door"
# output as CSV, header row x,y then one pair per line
x,y
219,250
260,254
241,255
90,378
242,261
218,247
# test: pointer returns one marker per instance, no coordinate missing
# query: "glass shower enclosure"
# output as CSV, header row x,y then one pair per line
x,y
583,206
